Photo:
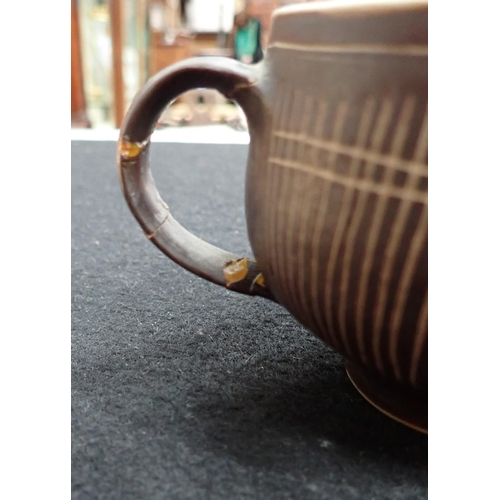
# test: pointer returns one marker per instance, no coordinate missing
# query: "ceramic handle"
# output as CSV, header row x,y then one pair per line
x,y
234,80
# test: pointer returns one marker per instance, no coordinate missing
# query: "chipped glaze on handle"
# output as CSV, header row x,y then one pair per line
x,y
234,80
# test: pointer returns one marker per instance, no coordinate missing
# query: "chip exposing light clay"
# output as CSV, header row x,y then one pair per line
x,y
236,270
131,149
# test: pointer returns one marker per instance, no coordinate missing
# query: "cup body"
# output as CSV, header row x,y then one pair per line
x,y
336,188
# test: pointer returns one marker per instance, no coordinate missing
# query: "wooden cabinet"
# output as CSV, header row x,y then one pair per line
x,y
78,109
163,55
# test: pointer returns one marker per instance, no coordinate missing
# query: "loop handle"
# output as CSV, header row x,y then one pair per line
x,y
235,81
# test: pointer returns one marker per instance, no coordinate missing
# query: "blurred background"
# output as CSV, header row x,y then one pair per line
x,y
117,45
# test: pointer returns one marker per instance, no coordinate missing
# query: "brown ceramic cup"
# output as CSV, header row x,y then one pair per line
x,y
336,185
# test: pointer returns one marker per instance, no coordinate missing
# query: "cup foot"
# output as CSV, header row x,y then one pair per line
x,y
405,405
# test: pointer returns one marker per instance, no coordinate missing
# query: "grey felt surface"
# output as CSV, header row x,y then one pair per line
x,y
183,390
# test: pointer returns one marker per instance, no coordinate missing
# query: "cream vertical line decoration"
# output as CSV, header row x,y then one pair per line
x,y
357,217
285,96
342,225
419,343
395,235
415,249
378,136
293,268
338,128
305,264
284,195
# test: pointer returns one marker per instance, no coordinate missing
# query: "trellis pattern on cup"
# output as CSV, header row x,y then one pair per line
x,y
297,142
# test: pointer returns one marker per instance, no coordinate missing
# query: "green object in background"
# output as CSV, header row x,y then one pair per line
x,y
247,40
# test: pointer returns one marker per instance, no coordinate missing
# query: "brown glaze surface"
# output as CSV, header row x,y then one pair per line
x,y
336,189
338,213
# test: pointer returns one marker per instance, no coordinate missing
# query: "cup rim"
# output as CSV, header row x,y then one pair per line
x,y
343,8
367,26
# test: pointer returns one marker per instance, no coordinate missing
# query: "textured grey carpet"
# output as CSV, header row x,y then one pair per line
x,y
183,390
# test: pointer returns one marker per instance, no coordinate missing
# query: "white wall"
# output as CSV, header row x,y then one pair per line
x,y
205,15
